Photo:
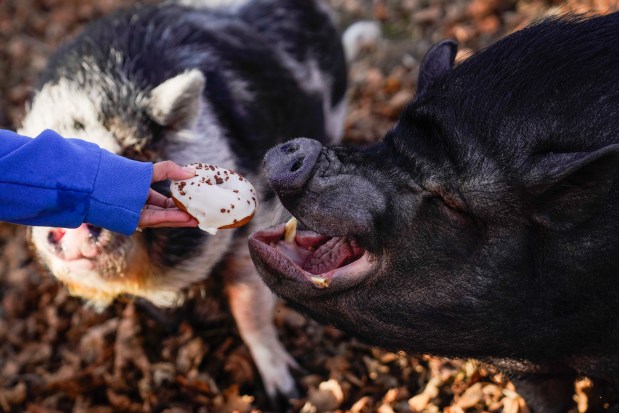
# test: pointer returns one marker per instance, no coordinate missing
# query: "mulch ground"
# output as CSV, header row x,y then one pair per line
x,y
58,356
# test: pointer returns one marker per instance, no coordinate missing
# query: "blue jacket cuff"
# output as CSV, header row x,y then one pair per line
x,y
119,194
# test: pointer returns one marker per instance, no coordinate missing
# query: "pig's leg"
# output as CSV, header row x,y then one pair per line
x,y
252,307
546,393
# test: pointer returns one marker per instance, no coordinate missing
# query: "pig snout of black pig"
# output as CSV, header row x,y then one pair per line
x,y
312,184
290,164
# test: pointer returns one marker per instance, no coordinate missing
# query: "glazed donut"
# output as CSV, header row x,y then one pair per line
x,y
218,198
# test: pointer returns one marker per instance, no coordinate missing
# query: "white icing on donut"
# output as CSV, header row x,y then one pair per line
x,y
216,197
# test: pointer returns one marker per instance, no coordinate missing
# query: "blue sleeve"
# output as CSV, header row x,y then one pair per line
x,y
58,182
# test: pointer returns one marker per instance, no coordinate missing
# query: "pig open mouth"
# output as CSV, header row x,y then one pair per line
x,y
306,256
83,250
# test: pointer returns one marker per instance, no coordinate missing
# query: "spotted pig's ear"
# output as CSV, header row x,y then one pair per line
x,y
175,102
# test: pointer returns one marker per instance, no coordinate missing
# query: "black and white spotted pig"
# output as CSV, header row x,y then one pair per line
x,y
191,84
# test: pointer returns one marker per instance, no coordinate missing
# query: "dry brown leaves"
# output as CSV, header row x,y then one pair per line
x,y
58,356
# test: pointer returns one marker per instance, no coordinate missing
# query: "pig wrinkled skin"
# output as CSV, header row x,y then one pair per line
x,y
485,225
191,84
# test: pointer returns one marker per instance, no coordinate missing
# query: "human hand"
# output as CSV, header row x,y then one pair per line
x,y
161,211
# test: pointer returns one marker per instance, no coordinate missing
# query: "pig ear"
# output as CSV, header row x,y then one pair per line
x,y
569,188
175,102
438,61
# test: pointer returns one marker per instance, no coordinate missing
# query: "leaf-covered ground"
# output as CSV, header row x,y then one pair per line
x,y
58,356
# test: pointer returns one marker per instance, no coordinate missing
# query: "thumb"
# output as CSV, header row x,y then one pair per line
x,y
170,170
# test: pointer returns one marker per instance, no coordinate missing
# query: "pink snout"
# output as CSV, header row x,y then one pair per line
x,y
75,244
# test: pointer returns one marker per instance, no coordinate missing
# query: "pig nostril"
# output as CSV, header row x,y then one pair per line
x,y
55,235
290,148
95,232
290,165
297,165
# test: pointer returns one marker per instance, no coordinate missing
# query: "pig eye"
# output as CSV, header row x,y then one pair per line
x,y
77,125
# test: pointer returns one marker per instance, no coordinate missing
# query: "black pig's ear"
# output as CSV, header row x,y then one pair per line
x,y
175,102
569,188
438,61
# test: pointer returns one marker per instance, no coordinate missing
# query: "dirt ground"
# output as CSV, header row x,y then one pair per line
x,y
58,356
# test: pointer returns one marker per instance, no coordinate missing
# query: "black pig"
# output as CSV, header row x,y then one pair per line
x,y
485,225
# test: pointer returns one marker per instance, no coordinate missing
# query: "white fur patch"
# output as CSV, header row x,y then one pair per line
x,y
70,111
175,101
336,116
360,35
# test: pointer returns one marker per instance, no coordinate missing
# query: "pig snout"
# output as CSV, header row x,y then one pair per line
x,y
74,244
289,165
323,188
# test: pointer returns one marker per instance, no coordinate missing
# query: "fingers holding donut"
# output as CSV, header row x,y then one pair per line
x,y
218,198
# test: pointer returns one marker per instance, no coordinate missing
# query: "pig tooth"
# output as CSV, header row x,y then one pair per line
x,y
320,282
290,230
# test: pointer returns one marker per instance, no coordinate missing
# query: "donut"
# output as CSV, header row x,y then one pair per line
x,y
218,198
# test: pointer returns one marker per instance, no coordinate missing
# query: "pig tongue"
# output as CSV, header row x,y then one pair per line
x,y
331,255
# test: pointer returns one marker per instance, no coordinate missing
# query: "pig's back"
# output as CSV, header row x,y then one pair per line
x,y
251,84
552,86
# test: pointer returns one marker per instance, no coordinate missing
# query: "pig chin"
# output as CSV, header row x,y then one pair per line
x,y
306,263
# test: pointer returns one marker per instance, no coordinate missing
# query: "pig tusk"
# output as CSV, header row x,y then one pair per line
x,y
290,230
320,282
